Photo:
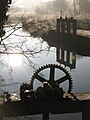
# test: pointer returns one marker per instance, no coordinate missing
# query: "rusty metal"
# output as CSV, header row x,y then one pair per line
x,y
44,100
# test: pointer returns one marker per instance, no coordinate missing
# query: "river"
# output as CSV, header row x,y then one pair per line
x,y
44,54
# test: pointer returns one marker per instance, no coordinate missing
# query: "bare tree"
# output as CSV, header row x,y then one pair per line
x,y
60,4
81,6
84,6
8,46
76,5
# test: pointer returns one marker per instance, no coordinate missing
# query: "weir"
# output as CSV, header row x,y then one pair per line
x,y
67,25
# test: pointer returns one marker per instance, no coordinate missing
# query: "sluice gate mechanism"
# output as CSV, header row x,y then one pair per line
x,y
48,92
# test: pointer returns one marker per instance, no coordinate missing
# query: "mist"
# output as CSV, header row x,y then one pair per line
x,y
28,3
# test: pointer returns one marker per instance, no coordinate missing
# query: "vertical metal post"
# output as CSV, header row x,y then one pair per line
x,y
57,54
58,25
68,27
74,27
68,56
62,54
63,26
73,60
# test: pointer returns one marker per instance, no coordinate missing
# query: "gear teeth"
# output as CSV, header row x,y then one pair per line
x,y
70,77
46,65
41,67
55,66
70,89
71,82
67,73
71,86
37,72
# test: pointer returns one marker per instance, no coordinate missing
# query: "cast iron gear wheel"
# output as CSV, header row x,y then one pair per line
x,y
51,79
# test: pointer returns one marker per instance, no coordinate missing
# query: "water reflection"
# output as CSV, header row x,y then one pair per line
x,y
76,57
66,57
65,54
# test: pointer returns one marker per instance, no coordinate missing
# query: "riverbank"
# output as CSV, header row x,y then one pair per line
x,y
85,33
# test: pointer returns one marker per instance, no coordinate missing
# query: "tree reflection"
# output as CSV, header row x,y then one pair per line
x,y
16,42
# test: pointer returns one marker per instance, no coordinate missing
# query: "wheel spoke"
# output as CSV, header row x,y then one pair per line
x,y
54,83
52,71
41,79
63,79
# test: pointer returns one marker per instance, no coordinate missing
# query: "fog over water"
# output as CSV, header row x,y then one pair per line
x,y
28,3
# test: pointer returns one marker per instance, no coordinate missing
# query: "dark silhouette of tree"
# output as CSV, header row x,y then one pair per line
x,y
4,6
8,47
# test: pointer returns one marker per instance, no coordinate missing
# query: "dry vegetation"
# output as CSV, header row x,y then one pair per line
x,y
39,25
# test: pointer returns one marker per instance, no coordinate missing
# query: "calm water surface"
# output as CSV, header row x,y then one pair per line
x,y
47,55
